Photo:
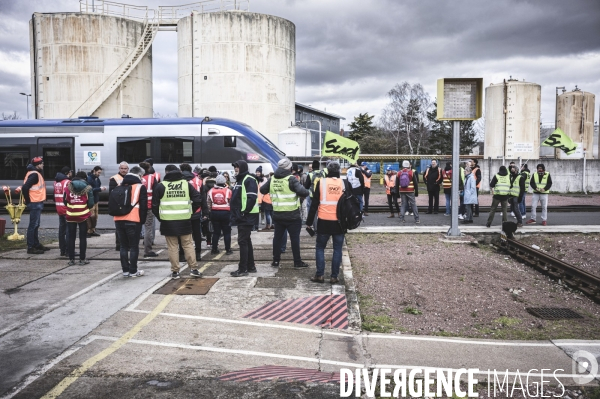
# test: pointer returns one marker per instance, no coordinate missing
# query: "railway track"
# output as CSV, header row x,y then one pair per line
x,y
570,275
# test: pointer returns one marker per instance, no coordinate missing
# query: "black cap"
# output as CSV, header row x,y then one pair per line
x,y
65,170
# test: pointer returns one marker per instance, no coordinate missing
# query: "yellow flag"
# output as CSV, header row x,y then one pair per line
x,y
560,140
338,146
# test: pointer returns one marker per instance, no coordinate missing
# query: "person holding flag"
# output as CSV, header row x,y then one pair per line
x,y
540,183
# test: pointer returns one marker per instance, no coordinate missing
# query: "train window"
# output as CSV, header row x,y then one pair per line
x,y
176,150
133,149
230,141
13,163
54,160
214,151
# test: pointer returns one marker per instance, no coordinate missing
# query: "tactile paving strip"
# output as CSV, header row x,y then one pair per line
x,y
322,310
554,313
288,374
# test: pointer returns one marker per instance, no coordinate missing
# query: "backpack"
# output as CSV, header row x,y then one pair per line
x,y
348,211
404,179
119,201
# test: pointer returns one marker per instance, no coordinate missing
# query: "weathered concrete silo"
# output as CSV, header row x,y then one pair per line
x,y
512,120
90,64
238,65
575,117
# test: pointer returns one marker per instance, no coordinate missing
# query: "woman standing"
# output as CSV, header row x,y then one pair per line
x,y
78,199
470,194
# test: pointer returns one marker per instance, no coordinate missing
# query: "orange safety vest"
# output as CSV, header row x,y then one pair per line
x,y
220,197
331,191
474,171
134,215
118,178
267,199
390,181
260,195
77,210
37,193
148,182
447,179
59,190
367,182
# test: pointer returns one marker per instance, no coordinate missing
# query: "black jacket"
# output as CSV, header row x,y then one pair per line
x,y
295,186
522,183
324,226
534,185
239,216
112,184
197,215
173,228
129,180
31,181
96,185
502,172
433,178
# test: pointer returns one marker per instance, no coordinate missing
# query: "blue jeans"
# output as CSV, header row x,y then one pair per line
x,y
35,212
360,201
336,261
269,216
293,228
448,203
522,206
129,238
63,234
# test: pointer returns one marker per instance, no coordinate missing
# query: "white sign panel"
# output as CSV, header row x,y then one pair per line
x,y
460,100
523,147
578,154
91,157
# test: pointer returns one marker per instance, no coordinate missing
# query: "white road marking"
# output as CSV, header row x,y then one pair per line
x,y
149,291
58,304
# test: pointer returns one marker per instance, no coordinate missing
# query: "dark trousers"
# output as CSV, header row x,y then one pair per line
x,y
129,238
514,204
293,228
495,202
63,234
366,193
477,204
434,201
220,222
246,250
393,200
72,233
206,232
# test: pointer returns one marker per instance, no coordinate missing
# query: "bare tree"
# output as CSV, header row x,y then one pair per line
x,y
405,117
10,117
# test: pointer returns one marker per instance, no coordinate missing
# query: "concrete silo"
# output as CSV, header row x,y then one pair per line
x,y
91,64
575,117
512,120
238,65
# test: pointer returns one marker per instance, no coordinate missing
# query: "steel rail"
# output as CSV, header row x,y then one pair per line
x,y
572,276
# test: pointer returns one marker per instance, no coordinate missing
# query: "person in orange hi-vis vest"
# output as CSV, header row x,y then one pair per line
x,y
324,206
60,184
367,190
392,191
78,199
218,200
115,180
34,194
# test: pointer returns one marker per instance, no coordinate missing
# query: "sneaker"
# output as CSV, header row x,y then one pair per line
x,y
391,216
72,263
488,225
239,273
139,273
35,251
229,252
512,214
531,221
317,279
125,274
300,265
461,217
544,223
275,263
446,214
411,214
406,213
519,224
215,252
418,222
43,248
195,273
252,270
151,255
83,262
334,280
523,215
175,275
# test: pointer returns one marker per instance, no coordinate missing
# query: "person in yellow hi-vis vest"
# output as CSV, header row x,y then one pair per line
x,y
500,186
540,183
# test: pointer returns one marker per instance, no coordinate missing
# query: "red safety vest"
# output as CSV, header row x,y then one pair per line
x,y
148,182
134,215
77,210
411,185
220,197
331,191
59,190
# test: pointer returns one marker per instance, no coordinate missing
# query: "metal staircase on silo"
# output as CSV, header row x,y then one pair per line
x,y
115,79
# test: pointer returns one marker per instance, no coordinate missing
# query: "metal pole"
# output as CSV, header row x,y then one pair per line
x,y
454,230
27,97
583,178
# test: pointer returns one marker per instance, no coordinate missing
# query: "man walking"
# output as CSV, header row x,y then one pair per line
x,y
433,179
285,191
409,189
34,194
173,202
392,191
60,184
500,186
516,192
324,206
244,215
93,179
367,190
540,183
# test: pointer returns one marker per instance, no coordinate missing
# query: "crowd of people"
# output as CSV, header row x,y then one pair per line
x,y
201,205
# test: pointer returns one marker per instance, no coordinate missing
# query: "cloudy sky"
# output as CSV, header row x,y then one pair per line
x,y
350,53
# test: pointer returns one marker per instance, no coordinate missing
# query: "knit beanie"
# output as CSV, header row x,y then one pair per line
x,y
316,165
220,180
37,160
285,164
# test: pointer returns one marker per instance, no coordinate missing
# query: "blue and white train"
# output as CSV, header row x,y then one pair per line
x,y
86,142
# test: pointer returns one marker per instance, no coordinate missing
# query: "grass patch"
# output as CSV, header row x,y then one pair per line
x,y
6,245
411,310
507,321
380,324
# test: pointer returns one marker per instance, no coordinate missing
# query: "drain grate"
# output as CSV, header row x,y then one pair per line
x,y
187,286
554,313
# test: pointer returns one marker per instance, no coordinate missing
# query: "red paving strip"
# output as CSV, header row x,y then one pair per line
x,y
321,310
288,374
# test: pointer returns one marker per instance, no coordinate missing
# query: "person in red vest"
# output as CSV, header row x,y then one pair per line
x,y
149,180
78,199
34,194
218,199
60,184
129,227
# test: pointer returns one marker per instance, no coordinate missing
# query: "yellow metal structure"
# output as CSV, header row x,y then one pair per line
x,y
15,212
459,99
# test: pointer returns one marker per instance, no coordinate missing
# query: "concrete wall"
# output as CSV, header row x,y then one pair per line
x,y
566,175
